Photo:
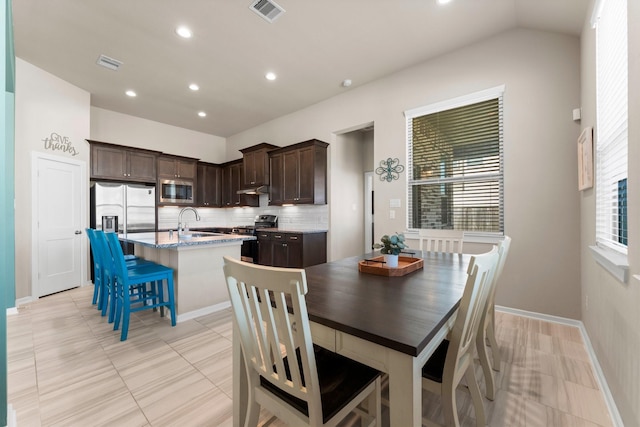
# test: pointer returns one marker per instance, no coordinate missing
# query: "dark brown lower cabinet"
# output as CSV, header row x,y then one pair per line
x,y
292,250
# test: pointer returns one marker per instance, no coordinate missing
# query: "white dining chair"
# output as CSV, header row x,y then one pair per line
x,y
297,381
453,359
487,330
447,241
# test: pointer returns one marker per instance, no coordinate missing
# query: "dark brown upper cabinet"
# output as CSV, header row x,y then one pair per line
x,y
118,163
177,167
209,185
256,164
232,173
299,174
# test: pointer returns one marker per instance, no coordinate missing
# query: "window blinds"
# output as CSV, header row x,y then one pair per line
x,y
612,136
456,167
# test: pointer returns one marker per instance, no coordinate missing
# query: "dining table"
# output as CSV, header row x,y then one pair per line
x,y
391,323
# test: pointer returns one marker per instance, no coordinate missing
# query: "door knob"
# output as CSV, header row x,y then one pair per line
x,y
78,232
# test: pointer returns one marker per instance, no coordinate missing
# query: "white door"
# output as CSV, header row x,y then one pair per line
x,y
58,206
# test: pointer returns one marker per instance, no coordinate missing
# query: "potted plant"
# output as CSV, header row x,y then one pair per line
x,y
391,247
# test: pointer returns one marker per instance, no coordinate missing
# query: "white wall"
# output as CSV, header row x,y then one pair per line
x,y
541,72
44,104
122,129
612,317
347,214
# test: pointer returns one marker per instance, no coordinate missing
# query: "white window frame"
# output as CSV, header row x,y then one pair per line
x,y
473,98
611,137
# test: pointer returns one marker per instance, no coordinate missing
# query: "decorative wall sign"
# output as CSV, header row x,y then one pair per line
x,y
56,142
585,159
389,169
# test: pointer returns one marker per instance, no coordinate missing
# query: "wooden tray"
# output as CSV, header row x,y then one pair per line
x,y
377,266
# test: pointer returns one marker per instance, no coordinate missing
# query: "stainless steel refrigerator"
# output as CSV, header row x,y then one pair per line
x,y
132,205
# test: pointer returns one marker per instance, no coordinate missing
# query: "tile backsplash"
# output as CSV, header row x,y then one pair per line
x,y
304,217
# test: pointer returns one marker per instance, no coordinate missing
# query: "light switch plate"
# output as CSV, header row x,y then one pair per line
x,y
394,203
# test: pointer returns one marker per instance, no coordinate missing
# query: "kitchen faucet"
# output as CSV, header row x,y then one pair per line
x,y
180,225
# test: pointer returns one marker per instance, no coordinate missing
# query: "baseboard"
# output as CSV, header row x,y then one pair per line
x,y
203,311
25,300
602,381
12,421
11,311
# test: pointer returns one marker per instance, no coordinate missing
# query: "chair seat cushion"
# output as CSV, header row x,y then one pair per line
x,y
432,370
341,380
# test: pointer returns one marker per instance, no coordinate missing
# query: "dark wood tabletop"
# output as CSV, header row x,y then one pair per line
x,y
402,313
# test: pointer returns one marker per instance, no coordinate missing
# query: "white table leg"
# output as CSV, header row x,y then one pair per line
x,y
405,390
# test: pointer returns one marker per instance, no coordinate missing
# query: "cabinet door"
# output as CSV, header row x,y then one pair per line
x,y
208,186
141,166
256,168
294,250
265,249
236,177
185,169
306,175
166,167
276,180
280,250
107,162
290,192
249,175
228,188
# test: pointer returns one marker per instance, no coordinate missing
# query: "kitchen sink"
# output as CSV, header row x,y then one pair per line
x,y
190,235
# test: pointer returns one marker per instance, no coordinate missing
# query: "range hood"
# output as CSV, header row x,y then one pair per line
x,y
263,189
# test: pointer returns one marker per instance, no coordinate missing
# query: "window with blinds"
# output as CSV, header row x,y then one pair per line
x,y
455,160
610,21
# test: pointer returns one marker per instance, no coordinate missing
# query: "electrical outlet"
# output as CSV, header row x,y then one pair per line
x,y
392,214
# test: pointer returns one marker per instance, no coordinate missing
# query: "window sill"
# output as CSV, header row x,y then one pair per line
x,y
469,237
615,263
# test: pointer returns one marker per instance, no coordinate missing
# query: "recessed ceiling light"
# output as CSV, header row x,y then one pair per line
x,y
443,1
194,87
184,32
131,93
270,76
346,83
202,114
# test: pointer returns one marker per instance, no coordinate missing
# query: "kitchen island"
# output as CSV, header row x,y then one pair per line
x,y
196,259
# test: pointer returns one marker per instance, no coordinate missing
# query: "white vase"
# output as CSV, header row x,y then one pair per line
x,y
391,260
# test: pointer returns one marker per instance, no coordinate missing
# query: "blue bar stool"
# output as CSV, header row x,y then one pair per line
x,y
97,268
127,291
101,270
107,300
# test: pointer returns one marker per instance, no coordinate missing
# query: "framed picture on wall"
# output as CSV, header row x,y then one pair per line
x,y
585,159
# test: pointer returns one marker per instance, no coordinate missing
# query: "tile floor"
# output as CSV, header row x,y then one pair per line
x,y
67,367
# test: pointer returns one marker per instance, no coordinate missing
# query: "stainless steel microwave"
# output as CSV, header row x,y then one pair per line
x,y
174,191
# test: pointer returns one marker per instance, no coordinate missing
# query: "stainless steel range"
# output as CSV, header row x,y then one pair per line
x,y
250,248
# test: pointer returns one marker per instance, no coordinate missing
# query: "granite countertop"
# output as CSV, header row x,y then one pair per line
x,y
164,239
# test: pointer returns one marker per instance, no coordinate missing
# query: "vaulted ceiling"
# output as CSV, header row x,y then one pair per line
x,y
312,47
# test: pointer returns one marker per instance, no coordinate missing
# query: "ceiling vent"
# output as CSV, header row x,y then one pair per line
x,y
267,9
110,63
